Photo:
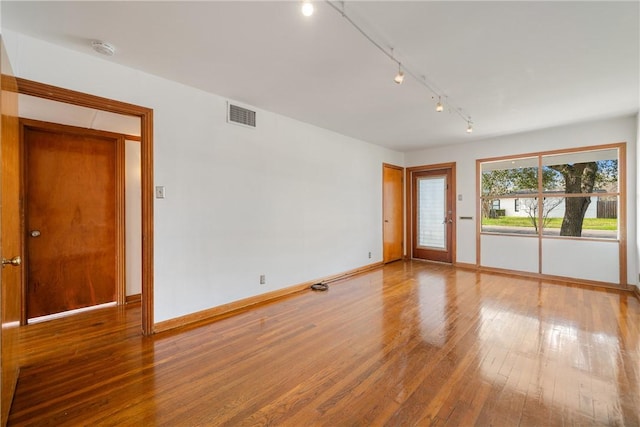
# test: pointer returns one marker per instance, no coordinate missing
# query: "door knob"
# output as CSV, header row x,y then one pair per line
x,y
15,261
35,233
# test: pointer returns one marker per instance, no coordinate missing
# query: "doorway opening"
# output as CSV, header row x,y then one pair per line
x,y
145,117
431,212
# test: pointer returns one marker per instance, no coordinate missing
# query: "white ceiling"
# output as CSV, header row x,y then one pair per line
x,y
510,66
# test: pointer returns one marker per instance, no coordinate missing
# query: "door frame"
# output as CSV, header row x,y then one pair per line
x,y
119,179
11,286
401,169
409,206
54,93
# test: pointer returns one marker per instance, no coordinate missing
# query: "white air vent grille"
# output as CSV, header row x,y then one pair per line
x,y
241,116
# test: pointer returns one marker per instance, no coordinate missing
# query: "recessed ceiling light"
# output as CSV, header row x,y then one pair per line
x,y
103,48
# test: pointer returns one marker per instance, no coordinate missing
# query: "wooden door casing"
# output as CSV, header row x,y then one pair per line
x,y
447,170
393,220
74,217
45,91
10,236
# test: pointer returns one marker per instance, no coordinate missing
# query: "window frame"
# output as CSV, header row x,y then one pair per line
x,y
541,194
621,195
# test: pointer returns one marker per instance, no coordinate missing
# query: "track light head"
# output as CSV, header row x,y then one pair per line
x,y
399,78
307,8
338,6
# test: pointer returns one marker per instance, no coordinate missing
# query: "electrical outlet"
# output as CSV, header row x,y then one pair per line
x,y
369,255
263,279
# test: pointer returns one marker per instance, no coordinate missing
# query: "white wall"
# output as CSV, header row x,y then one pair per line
x,y
288,200
582,264
495,246
133,218
635,279
621,129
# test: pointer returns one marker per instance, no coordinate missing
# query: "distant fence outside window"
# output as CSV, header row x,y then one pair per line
x,y
607,209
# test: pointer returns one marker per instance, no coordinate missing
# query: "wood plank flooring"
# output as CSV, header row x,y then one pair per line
x,y
410,344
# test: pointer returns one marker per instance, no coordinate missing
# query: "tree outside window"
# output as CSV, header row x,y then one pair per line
x,y
560,200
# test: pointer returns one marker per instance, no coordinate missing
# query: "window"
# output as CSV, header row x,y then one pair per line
x,y
509,180
561,194
569,219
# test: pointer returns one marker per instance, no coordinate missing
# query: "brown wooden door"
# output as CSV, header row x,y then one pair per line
x,y
10,236
433,215
392,213
70,219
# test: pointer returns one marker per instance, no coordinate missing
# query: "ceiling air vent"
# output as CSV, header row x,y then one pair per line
x,y
241,116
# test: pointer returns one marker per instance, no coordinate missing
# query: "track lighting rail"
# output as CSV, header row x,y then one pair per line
x,y
407,71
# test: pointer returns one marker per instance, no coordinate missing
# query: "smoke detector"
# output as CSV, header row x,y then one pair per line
x,y
103,48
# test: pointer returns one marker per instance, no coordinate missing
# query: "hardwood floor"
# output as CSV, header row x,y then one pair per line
x,y
409,344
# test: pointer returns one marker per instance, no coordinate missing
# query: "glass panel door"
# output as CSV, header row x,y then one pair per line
x,y
432,215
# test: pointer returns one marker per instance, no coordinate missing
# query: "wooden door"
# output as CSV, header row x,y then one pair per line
x,y
433,215
72,207
392,234
10,235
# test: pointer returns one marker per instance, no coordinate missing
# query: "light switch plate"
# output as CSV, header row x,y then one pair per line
x,y
160,192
